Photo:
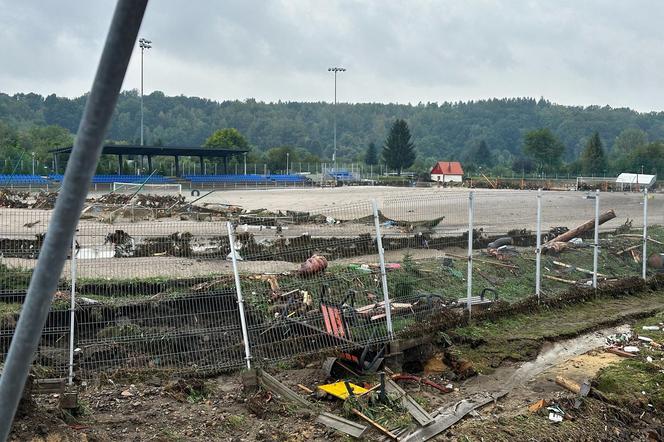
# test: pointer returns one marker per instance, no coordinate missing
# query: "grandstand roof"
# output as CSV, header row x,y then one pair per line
x,y
183,151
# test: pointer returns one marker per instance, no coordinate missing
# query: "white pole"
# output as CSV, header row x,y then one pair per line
x,y
644,258
538,249
72,309
383,272
469,277
596,249
240,299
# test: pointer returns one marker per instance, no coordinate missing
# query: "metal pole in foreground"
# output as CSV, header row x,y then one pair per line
x,y
80,168
240,299
596,249
72,309
644,258
383,272
469,277
538,249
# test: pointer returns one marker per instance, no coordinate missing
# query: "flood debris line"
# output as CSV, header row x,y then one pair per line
x,y
555,244
629,344
15,199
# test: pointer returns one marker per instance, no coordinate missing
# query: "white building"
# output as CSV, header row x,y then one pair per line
x,y
447,171
635,181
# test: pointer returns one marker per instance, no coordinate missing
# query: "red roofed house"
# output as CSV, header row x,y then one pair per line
x,y
447,171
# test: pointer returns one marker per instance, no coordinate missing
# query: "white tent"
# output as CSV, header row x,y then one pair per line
x,y
636,179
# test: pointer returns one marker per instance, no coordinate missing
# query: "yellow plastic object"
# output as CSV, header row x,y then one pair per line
x,y
338,389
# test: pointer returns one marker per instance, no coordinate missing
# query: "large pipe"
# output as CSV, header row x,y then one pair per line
x,y
97,115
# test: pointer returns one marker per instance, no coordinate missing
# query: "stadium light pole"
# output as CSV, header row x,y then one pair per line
x,y
245,163
287,157
144,44
334,151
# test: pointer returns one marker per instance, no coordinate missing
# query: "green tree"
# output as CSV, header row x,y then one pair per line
x,y
41,139
593,160
628,140
278,157
481,155
542,146
228,138
371,157
399,150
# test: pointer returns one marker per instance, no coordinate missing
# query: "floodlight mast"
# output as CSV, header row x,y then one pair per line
x,y
334,152
144,44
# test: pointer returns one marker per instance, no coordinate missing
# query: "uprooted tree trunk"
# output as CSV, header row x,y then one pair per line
x,y
577,231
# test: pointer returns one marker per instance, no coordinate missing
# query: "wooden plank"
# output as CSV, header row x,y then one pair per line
x,y
582,270
555,278
48,386
375,424
340,424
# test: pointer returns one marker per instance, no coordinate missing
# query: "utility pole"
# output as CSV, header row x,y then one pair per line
x,y
334,152
144,44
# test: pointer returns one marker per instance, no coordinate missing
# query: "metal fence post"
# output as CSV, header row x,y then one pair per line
x,y
469,277
596,247
644,258
240,299
538,249
383,272
72,308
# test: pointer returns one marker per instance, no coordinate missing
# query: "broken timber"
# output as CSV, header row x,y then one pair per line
x,y
340,424
375,424
283,391
577,231
451,415
419,414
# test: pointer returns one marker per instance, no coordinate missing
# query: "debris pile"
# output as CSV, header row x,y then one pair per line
x,y
14,199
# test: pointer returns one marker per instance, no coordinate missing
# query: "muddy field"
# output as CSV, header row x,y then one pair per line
x,y
527,353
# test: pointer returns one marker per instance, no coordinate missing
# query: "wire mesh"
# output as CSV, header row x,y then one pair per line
x,y
155,288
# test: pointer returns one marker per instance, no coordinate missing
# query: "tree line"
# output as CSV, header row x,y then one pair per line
x,y
519,135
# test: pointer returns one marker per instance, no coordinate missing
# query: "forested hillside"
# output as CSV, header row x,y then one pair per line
x,y
439,131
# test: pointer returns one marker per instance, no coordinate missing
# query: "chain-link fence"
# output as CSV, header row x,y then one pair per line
x,y
182,292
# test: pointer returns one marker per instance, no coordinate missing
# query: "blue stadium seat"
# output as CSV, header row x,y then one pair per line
x,y
22,180
107,179
231,179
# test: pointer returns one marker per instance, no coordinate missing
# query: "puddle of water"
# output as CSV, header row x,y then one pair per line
x,y
558,352
95,253
553,354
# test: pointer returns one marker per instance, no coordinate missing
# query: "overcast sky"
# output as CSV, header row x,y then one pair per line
x,y
571,52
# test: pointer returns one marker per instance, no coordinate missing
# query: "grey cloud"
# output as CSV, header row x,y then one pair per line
x,y
590,52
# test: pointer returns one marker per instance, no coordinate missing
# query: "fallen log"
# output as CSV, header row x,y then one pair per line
x,y
555,278
619,352
580,269
585,227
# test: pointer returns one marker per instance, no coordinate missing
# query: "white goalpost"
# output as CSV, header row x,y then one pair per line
x,y
119,187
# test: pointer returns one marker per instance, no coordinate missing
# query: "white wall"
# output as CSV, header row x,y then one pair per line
x,y
447,178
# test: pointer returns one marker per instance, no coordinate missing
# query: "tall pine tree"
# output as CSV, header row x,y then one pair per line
x,y
399,150
482,155
371,157
593,159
